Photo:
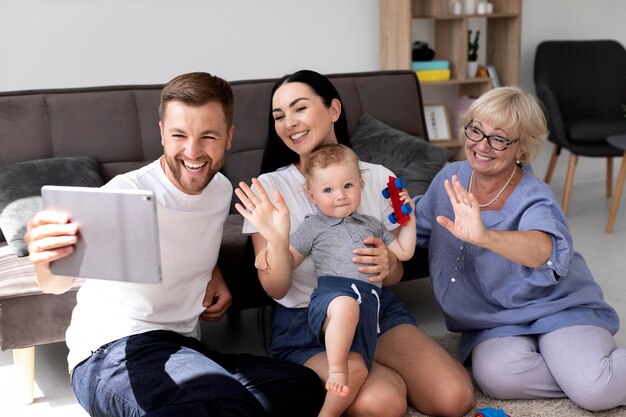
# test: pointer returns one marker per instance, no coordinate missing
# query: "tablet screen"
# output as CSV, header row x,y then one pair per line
x,y
118,235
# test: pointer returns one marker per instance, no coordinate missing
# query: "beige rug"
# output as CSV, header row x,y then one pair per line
x,y
561,407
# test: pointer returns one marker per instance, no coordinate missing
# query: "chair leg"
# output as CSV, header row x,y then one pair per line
x,y
609,177
569,181
552,164
24,361
617,196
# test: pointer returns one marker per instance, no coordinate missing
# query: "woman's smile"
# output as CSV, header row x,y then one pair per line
x,y
297,137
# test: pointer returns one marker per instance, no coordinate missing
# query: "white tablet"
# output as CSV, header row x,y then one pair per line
x,y
118,236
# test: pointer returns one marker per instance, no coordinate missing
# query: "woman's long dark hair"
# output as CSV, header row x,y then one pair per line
x,y
276,153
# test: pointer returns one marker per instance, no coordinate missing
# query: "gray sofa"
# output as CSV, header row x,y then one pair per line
x,y
118,126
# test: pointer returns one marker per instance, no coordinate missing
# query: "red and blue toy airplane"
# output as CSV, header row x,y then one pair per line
x,y
401,210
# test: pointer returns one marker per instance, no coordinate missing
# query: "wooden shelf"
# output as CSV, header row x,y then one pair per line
x,y
454,145
456,81
465,16
447,143
500,45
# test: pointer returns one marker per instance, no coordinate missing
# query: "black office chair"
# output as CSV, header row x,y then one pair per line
x,y
582,85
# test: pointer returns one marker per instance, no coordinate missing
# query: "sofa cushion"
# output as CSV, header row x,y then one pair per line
x,y
101,124
22,181
409,157
13,221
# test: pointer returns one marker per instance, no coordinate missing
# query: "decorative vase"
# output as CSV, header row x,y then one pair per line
x,y
481,7
457,8
472,68
469,6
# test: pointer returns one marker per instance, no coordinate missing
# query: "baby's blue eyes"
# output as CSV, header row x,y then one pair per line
x,y
328,190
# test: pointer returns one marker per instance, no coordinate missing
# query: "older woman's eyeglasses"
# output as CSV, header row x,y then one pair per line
x,y
497,143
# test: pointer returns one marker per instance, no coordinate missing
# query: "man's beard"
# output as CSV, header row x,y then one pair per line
x,y
194,187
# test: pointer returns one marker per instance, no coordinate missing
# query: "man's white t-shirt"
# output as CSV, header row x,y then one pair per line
x,y
291,184
190,232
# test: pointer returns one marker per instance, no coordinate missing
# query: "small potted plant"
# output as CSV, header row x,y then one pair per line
x,y
472,53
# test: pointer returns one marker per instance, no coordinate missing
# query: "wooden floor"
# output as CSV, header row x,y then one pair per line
x,y
588,213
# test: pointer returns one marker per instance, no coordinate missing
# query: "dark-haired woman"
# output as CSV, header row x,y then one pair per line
x,y
306,112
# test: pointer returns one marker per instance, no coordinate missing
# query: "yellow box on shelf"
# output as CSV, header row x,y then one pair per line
x,y
433,75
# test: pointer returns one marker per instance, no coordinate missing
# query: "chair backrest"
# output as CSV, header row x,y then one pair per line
x,y
586,77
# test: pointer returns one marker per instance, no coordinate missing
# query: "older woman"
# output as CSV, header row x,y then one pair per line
x,y
533,320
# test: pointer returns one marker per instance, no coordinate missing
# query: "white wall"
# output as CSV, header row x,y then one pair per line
x,y
567,19
73,43
70,43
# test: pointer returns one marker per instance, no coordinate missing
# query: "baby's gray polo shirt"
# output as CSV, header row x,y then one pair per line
x,y
330,241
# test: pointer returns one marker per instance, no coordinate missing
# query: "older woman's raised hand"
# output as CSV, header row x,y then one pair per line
x,y
467,225
272,222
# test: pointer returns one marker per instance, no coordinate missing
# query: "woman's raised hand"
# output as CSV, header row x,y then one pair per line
x,y
467,225
272,222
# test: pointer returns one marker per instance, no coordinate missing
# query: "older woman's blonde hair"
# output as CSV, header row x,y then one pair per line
x,y
510,108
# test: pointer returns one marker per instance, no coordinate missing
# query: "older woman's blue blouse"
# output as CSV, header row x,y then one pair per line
x,y
482,294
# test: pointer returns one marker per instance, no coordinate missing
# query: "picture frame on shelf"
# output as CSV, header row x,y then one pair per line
x,y
493,74
437,122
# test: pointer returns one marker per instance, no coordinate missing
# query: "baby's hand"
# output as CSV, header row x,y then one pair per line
x,y
260,262
406,198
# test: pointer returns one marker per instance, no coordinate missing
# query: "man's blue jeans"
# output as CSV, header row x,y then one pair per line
x,y
162,373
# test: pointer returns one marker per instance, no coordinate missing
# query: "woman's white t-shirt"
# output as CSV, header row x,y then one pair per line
x,y
291,184
190,232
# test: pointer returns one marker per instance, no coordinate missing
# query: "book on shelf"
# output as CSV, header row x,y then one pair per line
x,y
433,75
493,74
430,65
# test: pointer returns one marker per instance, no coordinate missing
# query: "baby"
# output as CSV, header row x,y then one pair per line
x,y
344,307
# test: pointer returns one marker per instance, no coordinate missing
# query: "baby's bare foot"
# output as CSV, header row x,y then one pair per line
x,y
337,383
